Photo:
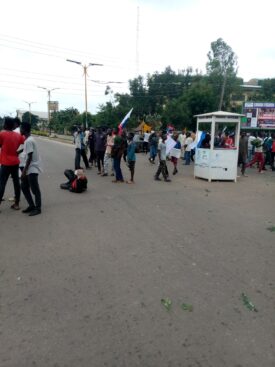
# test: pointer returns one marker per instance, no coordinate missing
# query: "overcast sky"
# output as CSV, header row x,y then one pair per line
x,y
36,38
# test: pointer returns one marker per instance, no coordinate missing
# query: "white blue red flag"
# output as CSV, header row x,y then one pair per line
x,y
125,120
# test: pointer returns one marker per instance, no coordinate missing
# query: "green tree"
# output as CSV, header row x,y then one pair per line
x,y
198,98
222,70
64,120
162,87
1,122
267,93
33,119
106,115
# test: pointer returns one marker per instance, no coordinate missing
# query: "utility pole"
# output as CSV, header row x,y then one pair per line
x,y
137,44
49,99
30,116
85,70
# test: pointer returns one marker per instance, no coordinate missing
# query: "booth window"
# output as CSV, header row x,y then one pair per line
x,y
225,135
205,135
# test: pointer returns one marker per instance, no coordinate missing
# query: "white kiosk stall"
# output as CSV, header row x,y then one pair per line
x,y
218,146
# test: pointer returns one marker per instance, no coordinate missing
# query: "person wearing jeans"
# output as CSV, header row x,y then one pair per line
x,y
187,147
117,152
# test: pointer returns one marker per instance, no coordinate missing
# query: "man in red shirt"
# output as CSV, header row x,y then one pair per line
x,y
10,141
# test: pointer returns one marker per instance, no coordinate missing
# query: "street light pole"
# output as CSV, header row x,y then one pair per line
x,y
85,70
30,116
49,99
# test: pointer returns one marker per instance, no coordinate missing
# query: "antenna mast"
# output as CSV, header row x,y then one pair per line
x,y
137,44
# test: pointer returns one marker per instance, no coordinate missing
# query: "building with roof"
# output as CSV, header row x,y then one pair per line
x,y
43,116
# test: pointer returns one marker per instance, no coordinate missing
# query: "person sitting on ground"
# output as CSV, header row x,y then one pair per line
x,y
77,181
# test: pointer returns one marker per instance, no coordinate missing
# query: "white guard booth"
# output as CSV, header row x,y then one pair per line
x,y
217,156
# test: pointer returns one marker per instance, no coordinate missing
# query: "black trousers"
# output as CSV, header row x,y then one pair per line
x,y
272,158
5,173
78,154
100,160
162,168
30,184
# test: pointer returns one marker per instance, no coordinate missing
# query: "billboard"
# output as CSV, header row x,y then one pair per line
x,y
259,115
53,106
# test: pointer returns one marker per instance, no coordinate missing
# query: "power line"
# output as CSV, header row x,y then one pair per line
x,y
37,73
48,46
57,50
33,89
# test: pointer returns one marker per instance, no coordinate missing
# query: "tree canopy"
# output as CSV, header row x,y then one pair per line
x,y
171,96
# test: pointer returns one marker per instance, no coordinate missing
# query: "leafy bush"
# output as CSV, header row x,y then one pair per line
x,y
40,133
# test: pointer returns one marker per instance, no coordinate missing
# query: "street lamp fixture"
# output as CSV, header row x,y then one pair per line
x,y
49,99
30,116
85,68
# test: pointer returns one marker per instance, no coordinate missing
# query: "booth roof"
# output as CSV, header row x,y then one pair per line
x,y
220,114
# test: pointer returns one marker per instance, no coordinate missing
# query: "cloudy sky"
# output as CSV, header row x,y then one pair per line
x,y
36,38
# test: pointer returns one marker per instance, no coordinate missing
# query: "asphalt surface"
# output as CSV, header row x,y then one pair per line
x,y
81,284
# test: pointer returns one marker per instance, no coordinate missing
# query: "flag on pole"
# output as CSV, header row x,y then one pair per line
x,y
125,120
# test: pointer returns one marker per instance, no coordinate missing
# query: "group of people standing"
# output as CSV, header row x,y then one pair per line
x,y
107,147
257,149
19,157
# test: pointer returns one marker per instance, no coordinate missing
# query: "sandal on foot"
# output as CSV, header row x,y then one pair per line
x,y
15,207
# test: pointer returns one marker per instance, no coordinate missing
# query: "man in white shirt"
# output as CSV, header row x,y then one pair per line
x,y
162,168
250,146
31,170
181,139
146,137
187,147
259,155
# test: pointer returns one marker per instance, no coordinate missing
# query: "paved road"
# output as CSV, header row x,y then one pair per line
x,y
80,285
